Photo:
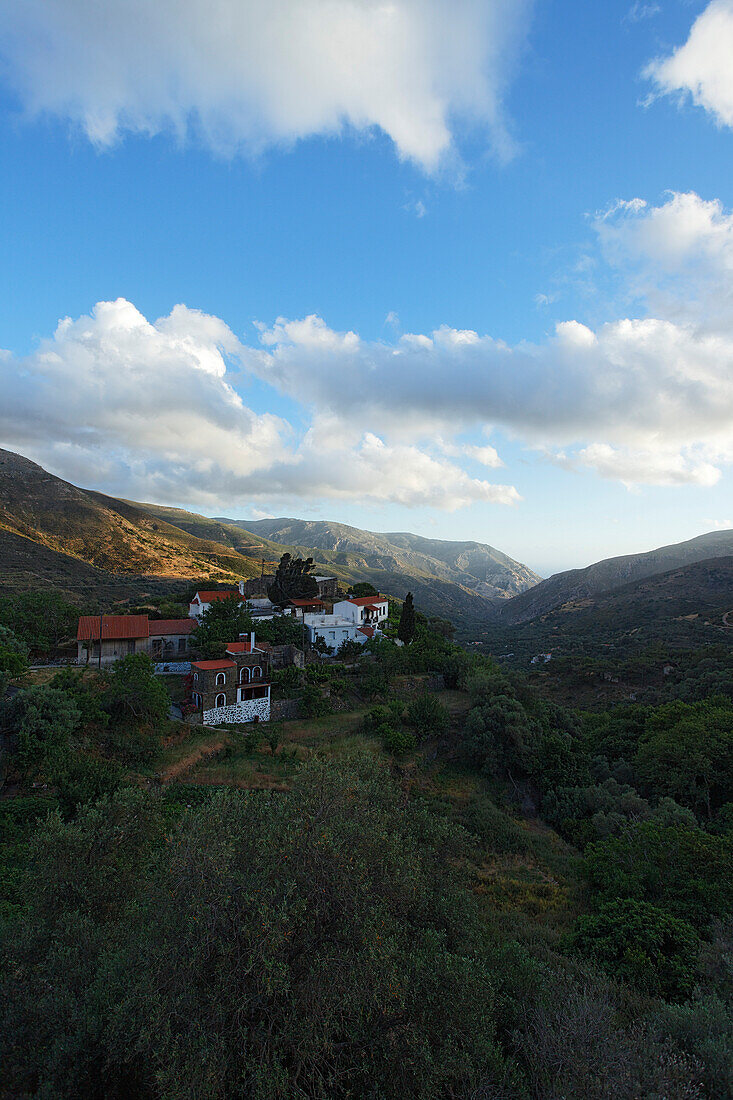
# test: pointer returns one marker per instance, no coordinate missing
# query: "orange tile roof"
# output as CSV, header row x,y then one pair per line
x,y
239,647
307,603
212,664
209,597
160,627
114,627
367,601
368,630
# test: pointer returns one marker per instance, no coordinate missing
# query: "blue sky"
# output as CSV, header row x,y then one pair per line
x,y
388,171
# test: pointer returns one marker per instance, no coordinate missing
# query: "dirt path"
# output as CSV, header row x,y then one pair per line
x,y
202,752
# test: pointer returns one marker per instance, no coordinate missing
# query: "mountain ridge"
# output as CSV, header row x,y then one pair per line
x,y
612,573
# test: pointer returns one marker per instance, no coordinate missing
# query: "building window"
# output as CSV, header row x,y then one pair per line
x,y
257,673
182,645
221,701
244,676
221,679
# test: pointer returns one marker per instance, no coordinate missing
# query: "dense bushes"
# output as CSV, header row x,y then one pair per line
x,y
263,948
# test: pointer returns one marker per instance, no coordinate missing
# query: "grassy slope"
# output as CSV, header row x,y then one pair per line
x,y
531,888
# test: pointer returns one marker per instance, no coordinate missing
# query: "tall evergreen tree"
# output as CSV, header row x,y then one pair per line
x,y
406,629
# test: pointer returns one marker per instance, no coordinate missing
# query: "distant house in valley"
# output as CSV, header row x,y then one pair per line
x,y
256,586
334,630
163,639
203,600
107,638
298,608
328,587
368,611
235,688
170,638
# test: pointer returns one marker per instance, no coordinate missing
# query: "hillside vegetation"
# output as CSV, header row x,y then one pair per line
x,y
404,893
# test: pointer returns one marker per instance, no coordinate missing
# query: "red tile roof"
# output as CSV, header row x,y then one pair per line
x,y
209,597
239,647
368,630
367,601
307,603
161,627
114,627
212,664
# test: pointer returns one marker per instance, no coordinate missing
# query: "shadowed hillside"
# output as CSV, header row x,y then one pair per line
x,y
604,576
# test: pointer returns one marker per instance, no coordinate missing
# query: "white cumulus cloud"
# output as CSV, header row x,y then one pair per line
x,y
149,409
242,74
701,68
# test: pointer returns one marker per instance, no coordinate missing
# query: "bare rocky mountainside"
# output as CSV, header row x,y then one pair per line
x,y
605,576
53,533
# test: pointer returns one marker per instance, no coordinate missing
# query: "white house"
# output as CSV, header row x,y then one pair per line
x,y
335,629
202,601
368,611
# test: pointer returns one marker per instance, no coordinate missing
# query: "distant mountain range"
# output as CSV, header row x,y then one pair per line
x,y
576,585
55,534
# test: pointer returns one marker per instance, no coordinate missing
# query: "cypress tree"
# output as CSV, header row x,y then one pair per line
x,y
406,629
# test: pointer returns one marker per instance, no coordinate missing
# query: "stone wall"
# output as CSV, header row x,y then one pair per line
x,y
283,710
418,685
239,712
172,668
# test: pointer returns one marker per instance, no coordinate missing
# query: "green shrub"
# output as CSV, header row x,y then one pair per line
x,y
428,717
642,944
398,742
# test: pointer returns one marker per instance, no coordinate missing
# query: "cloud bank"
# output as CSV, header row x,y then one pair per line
x,y
152,407
242,75
644,400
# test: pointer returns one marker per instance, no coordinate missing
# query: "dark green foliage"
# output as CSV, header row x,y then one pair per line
x,y
39,722
314,703
427,716
406,628
80,779
349,650
373,679
264,948
13,656
87,692
577,1044
686,751
289,680
396,741
135,692
363,588
41,620
642,944
292,580
686,870
273,736
281,630
222,622
501,738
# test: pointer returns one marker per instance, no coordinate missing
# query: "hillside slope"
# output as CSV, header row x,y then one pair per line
x,y
474,566
111,535
612,573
